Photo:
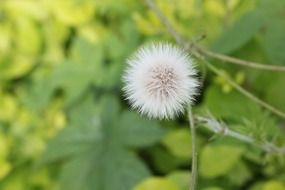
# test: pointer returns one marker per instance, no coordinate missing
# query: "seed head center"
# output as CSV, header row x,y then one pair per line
x,y
161,81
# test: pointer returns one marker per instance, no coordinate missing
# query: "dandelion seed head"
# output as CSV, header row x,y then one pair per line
x,y
160,80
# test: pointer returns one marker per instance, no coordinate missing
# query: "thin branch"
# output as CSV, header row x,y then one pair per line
x,y
195,47
179,39
194,173
218,128
237,61
244,91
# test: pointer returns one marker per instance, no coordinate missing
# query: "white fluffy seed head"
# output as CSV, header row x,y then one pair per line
x,y
160,80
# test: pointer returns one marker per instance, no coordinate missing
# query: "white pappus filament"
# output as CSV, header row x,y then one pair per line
x,y
160,80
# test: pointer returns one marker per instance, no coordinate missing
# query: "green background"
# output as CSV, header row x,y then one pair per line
x,y
64,123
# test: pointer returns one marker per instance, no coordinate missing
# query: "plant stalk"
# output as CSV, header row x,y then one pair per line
x,y
194,171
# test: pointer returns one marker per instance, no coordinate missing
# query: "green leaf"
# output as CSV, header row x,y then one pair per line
x,y
218,160
240,174
72,12
213,188
274,94
273,41
86,114
276,9
83,132
86,53
156,183
96,147
116,44
28,36
231,105
37,94
165,161
13,67
103,168
76,75
239,33
270,185
181,178
178,142
138,132
72,78
71,141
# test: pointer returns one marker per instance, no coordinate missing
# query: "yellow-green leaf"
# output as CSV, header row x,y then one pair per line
x,y
72,12
273,185
181,178
218,160
156,183
178,143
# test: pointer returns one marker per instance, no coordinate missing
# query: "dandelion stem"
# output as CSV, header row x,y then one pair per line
x,y
194,151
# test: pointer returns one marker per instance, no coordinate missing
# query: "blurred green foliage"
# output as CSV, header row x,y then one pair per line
x,y
64,123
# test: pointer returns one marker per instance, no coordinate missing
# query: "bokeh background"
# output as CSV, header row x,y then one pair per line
x,y
64,123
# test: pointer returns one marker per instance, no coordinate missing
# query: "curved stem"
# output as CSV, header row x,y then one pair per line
x,y
237,61
165,21
194,151
195,47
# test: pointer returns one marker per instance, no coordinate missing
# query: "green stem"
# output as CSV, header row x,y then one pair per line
x,y
194,46
194,151
233,60
220,129
243,91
